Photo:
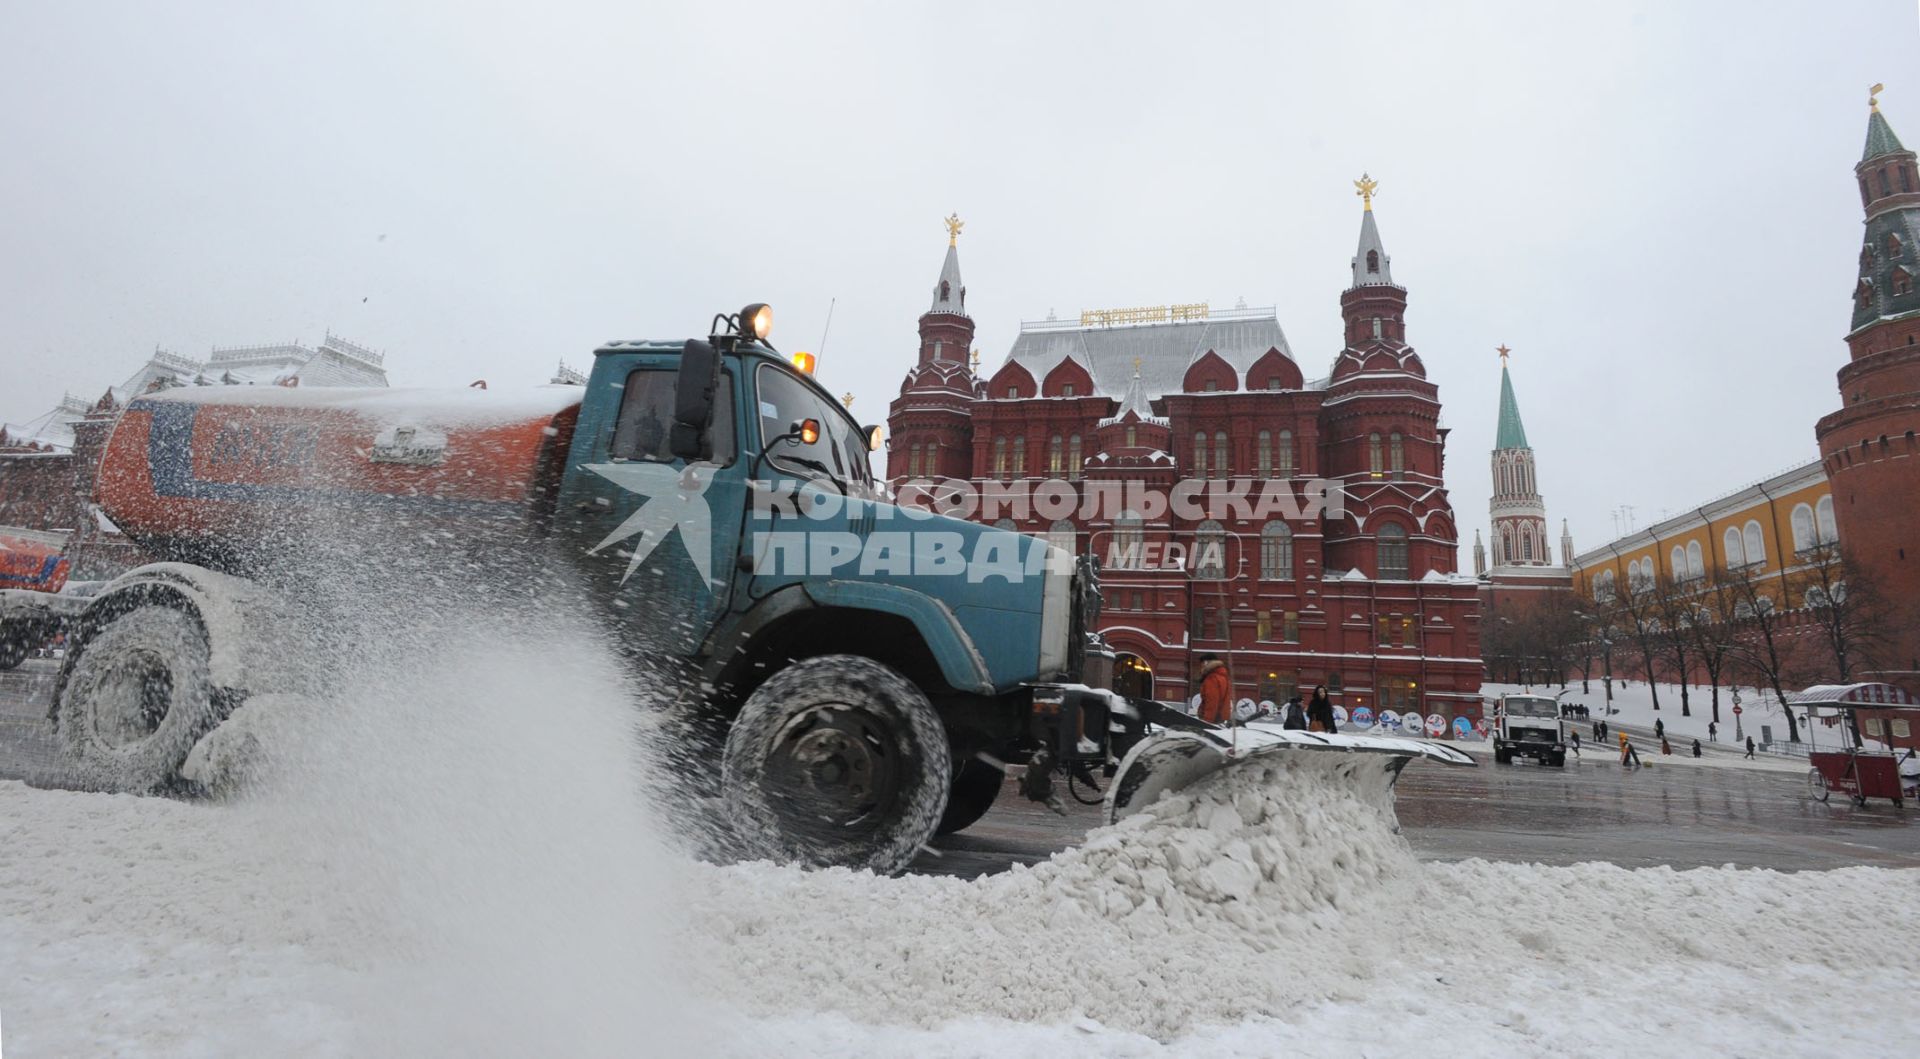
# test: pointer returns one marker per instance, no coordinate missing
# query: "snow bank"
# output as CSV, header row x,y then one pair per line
x,y
1262,913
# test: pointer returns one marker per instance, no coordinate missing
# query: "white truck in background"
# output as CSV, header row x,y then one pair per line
x,y
1529,726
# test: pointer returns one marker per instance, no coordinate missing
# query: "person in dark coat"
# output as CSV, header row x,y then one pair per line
x,y
1696,748
1659,728
1749,746
1295,719
1320,711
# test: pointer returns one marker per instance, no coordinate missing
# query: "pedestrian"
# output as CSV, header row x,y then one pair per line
x,y
1749,746
1216,690
1296,718
1659,728
1320,711
1629,758
1576,744
1596,731
1713,731
1666,747
1696,748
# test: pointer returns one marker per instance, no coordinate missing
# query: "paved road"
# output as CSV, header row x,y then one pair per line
x,y
1670,812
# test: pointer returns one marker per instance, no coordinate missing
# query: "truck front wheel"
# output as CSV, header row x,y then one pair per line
x,y
136,696
837,761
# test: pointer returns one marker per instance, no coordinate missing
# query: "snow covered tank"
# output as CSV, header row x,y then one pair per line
x,y
234,478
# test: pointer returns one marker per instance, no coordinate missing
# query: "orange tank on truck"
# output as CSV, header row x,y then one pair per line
x,y
215,473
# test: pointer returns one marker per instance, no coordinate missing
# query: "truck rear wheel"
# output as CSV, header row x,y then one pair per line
x,y
975,785
136,696
837,761
12,651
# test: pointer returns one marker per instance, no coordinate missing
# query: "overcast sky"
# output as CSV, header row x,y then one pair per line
x,y
1652,204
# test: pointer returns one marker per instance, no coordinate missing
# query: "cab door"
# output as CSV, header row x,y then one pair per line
x,y
655,536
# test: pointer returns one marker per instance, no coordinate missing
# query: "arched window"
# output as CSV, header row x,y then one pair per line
x,y
1756,543
1263,454
1129,530
1373,261
1886,183
1210,551
1390,552
1063,536
1285,462
1000,457
1396,454
945,289
1376,327
1736,552
1695,567
1802,527
1200,454
1823,520
1019,457
1276,552
1679,560
1221,465
1526,545
1133,438
1603,585
1073,456
1056,456
1374,461
1506,545
913,461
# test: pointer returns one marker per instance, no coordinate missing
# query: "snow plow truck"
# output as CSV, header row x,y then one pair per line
x,y
861,669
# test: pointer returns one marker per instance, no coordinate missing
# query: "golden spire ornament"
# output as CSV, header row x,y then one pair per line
x,y
1363,187
976,362
846,401
954,224
1873,97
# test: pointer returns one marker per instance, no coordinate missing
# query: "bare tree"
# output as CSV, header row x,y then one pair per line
x,y
1675,619
1852,613
1638,615
1717,605
1758,642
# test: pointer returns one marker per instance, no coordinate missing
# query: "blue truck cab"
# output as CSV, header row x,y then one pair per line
x,y
860,667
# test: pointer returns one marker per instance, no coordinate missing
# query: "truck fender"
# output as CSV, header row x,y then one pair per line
x,y
960,661
239,616
947,641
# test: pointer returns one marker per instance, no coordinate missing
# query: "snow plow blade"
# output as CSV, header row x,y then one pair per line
x,y
1175,758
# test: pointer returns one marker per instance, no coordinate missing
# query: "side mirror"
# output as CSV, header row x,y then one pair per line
x,y
696,390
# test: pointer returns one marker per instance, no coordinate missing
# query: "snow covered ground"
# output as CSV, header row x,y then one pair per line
x,y
421,871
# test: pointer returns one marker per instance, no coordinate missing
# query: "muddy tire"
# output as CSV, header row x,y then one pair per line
x,y
975,785
136,696
837,761
1817,788
12,651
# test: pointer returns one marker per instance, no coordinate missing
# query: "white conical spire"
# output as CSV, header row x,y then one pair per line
x,y
1370,262
950,294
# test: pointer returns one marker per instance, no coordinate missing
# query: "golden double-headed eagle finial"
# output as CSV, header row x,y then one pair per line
x,y
1363,187
954,224
1873,97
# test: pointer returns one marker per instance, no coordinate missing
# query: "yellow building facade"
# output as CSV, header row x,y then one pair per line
x,y
1765,526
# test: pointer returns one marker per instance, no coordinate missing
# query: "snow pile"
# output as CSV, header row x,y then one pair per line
x,y
1211,906
1261,913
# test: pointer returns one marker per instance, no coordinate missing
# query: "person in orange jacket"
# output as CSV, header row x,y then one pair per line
x,y
1216,690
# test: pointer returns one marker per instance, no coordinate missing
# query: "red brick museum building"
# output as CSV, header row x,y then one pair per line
x,y
1370,603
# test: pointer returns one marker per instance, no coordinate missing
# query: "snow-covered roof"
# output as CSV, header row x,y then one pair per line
x,y
1165,350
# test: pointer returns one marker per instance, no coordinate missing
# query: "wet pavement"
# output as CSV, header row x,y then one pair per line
x,y
1669,812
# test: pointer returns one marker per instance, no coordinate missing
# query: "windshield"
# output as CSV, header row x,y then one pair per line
x,y
785,400
1531,706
